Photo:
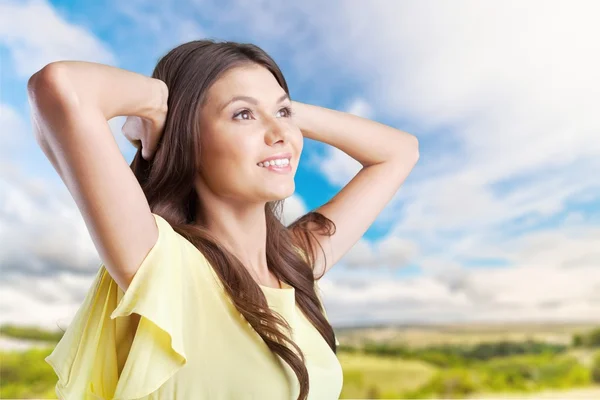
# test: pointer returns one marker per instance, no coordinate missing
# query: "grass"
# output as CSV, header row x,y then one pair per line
x,y
25,375
368,376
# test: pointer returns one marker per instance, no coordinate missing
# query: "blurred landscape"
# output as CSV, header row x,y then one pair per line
x,y
435,361
499,220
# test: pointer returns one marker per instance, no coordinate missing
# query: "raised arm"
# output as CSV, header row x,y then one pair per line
x,y
71,102
387,155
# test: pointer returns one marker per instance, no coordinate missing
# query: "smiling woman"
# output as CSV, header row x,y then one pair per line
x,y
214,298
203,293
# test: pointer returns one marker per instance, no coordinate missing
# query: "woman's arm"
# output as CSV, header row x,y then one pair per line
x,y
113,91
70,103
367,141
387,156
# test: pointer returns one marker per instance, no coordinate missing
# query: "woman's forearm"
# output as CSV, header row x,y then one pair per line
x,y
368,142
113,90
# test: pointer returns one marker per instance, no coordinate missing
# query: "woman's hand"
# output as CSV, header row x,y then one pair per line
x,y
144,132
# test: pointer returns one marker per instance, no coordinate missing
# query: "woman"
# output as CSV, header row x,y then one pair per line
x,y
203,293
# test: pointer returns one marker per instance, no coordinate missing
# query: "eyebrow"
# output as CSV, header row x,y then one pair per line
x,y
251,100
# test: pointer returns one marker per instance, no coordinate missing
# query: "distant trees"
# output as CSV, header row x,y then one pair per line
x,y
460,355
587,339
30,332
596,368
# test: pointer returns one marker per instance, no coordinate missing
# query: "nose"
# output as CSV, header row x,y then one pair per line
x,y
275,130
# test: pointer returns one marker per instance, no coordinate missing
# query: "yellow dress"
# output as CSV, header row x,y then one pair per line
x,y
191,342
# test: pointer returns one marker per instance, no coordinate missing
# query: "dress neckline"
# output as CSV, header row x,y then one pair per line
x,y
285,288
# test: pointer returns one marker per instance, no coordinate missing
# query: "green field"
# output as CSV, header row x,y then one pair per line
x,y
491,362
376,377
368,376
433,362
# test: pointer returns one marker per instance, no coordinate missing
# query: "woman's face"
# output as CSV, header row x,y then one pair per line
x,y
236,135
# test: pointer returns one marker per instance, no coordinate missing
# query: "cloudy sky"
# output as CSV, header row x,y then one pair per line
x,y
499,220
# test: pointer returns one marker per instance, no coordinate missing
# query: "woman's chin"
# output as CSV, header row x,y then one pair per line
x,y
280,193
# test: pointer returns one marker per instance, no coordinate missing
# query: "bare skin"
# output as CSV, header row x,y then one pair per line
x,y
232,187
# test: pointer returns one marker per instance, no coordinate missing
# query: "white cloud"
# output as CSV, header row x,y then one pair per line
x,y
41,227
359,107
12,124
389,252
35,35
338,167
554,275
293,208
49,305
164,24
396,252
517,101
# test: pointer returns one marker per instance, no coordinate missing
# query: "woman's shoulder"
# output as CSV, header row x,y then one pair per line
x,y
163,287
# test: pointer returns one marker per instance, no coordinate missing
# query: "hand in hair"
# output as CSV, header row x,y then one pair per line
x,y
145,132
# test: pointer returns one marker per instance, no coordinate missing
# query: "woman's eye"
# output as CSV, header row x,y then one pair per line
x,y
287,110
243,112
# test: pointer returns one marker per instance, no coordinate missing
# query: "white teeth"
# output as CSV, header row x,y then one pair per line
x,y
278,162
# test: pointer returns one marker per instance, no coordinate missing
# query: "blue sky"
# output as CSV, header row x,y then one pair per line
x,y
503,207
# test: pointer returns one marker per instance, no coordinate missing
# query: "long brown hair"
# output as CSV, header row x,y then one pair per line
x,y
167,180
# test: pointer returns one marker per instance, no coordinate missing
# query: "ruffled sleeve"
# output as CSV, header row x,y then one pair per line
x,y
99,356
